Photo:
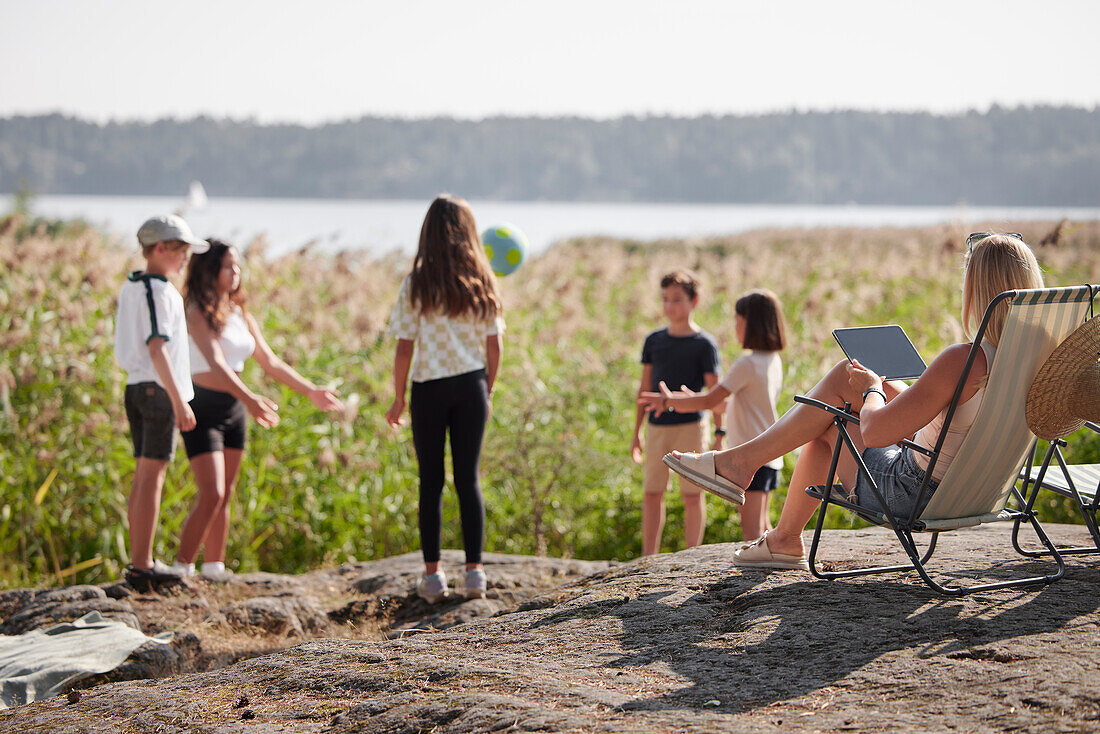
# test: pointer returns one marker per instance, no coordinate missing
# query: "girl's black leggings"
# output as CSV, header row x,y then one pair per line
x,y
458,405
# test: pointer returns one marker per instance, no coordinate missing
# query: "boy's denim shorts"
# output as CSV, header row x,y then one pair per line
x,y
898,478
152,421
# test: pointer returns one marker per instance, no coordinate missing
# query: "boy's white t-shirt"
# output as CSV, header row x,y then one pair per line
x,y
149,306
445,346
754,381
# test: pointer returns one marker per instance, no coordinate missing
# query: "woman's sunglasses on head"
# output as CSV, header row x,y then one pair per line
x,y
979,236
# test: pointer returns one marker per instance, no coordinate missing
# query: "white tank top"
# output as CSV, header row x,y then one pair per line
x,y
960,426
236,341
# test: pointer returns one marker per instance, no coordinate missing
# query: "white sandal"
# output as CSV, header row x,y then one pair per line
x,y
758,555
699,469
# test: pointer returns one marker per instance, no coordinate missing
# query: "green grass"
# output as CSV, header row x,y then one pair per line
x,y
556,471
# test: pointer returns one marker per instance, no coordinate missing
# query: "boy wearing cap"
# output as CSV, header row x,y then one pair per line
x,y
151,346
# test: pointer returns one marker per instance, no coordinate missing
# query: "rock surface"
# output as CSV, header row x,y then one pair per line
x,y
46,608
217,624
677,642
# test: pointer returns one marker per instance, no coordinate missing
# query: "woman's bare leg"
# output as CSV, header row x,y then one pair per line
x,y
798,426
812,468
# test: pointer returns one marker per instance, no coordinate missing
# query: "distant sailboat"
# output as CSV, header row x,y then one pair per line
x,y
195,199
196,196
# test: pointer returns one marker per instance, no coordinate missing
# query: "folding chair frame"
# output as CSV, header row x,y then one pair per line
x,y
1031,487
905,527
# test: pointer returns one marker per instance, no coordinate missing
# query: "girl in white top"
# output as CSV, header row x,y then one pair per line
x,y
448,326
888,412
752,386
223,335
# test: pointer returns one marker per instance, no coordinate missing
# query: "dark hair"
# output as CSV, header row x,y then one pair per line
x,y
763,314
200,287
685,279
451,273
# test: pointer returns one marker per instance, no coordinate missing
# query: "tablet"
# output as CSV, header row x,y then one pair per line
x,y
884,349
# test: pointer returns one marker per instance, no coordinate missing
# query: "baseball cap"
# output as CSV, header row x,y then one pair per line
x,y
170,227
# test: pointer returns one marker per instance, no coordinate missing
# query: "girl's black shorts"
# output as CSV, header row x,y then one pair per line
x,y
221,422
765,480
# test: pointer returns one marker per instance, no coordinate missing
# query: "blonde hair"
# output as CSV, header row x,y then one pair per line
x,y
451,273
994,265
172,245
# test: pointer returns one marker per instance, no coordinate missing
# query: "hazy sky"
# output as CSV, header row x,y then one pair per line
x,y
325,60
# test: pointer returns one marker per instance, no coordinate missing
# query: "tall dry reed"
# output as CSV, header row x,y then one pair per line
x,y
315,490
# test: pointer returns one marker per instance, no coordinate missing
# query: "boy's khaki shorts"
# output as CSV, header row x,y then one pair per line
x,y
659,440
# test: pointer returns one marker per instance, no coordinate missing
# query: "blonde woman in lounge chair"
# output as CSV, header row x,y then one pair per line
x,y
888,412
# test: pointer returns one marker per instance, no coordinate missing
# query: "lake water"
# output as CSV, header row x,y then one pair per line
x,y
381,226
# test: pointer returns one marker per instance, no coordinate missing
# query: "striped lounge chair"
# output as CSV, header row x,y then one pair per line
x,y
1079,482
983,475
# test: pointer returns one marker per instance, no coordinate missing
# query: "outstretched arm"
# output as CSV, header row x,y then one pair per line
x,y
276,368
225,379
683,400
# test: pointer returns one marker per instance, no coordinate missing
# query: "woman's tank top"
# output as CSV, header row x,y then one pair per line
x,y
236,341
960,426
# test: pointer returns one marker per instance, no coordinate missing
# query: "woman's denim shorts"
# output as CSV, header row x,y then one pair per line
x,y
898,478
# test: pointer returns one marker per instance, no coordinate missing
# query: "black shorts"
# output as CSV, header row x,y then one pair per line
x,y
221,422
152,422
764,480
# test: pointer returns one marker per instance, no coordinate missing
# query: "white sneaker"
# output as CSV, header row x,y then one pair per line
x,y
432,587
186,570
476,584
216,571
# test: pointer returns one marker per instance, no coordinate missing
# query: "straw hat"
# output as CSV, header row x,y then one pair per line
x,y
1066,390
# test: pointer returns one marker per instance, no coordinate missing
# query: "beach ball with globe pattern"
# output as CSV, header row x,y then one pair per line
x,y
505,246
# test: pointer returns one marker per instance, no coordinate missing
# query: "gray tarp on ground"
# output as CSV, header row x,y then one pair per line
x,y
41,663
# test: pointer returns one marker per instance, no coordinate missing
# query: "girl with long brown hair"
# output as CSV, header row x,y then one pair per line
x,y
223,336
448,325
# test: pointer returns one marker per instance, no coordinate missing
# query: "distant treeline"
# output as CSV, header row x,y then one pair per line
x,y
1022,156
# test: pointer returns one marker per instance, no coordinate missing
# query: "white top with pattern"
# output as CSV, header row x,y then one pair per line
x,y
445,346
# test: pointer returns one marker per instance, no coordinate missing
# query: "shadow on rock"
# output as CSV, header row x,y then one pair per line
x,y
746,642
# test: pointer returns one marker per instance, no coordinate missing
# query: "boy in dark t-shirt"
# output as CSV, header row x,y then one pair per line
x,y
680,354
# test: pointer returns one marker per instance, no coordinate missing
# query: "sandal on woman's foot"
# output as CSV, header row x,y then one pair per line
x,y
758,555
699,469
